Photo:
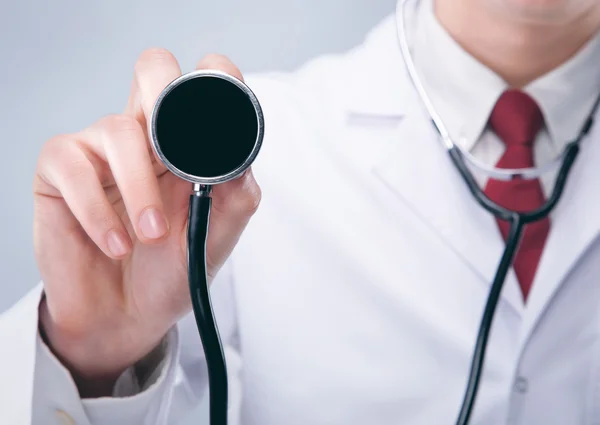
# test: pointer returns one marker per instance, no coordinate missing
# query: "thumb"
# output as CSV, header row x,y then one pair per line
x,y
234,203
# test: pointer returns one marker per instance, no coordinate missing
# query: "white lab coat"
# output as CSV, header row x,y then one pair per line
x,y
356,292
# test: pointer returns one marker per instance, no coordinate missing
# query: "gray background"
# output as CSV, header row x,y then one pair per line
x,y
66,63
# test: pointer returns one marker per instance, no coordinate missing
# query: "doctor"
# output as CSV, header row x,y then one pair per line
x,y
354,294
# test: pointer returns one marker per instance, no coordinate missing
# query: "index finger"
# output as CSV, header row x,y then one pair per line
x,y
154,70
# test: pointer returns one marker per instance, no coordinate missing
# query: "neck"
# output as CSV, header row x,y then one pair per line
x,y
519,50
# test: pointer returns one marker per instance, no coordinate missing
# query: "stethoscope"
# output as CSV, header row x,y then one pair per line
x,y
207,128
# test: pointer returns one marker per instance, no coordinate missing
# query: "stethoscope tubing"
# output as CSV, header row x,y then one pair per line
x,y
198,223
476,368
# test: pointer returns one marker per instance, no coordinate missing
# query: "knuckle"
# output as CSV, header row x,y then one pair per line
x,y
49,155
59,154
62,163
73,168
256,199
120,124
56,146
249,198
97,212
117,129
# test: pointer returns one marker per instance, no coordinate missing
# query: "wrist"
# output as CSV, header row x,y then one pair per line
x,y
95,359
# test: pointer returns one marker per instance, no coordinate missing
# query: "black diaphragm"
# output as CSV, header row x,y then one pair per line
x,y
207,127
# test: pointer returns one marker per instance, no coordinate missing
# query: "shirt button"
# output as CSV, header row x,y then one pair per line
x,y
521,385
64,418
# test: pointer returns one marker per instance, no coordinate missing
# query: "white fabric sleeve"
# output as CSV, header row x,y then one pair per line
x,y
55,393
36,388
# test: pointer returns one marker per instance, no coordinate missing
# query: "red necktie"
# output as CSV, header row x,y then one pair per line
x,y
516,119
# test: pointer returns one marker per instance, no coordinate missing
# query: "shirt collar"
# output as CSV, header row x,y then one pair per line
x,y
464,91
566,94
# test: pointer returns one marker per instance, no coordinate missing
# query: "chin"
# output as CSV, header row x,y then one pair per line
x,y
546,11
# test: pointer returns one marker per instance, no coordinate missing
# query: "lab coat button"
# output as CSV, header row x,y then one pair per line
x,y
521,385
64,418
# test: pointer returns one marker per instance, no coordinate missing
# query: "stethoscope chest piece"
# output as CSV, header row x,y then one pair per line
x,y
207,127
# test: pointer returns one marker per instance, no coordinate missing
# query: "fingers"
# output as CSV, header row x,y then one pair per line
x,y
154,70
120,141
74,167
221,63
64,166
116,150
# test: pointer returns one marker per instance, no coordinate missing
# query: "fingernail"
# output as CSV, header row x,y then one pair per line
x,y
153,224
117,244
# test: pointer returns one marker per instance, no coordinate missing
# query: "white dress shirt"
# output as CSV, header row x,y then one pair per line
x,y
355,293
565,95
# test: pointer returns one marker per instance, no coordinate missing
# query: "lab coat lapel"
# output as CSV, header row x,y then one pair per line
x,y
414,166
575,225
418,171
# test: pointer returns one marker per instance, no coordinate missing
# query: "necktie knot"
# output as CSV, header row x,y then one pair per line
x,y
516,118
